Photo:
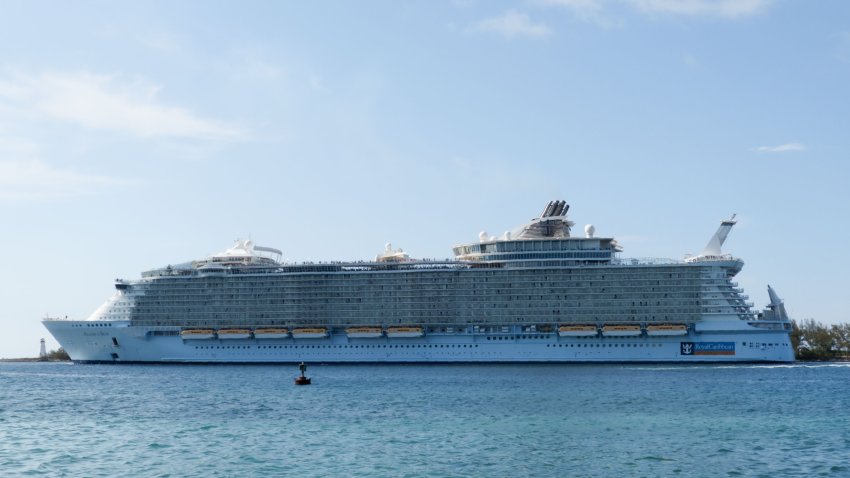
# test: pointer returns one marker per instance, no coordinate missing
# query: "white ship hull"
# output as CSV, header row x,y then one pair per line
x,y
199,337
117,342
234,336
622,333
666,333
578,333
271,335
404,335
309,335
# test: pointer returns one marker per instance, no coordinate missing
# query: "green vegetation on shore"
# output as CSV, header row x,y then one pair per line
x,y
59,355
813,340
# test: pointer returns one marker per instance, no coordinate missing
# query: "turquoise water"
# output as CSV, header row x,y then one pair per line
x,y
408,420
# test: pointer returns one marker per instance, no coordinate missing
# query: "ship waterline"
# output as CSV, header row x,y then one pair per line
x,y
535,294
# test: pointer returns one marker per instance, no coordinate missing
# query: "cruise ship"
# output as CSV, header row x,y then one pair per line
x,y
533,294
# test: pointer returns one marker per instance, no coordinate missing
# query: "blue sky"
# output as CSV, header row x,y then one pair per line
x,y
138,134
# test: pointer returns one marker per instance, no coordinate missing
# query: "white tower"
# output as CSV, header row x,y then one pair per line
x,y
42,354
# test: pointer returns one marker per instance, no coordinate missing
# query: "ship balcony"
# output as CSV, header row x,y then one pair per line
x,y
740,303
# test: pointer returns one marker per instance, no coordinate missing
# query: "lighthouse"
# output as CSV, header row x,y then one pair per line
x,y
42,353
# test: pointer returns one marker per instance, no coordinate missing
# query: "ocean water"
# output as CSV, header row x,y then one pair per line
x,y
409,420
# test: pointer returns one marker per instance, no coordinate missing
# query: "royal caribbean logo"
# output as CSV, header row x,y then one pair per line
x,y
707,348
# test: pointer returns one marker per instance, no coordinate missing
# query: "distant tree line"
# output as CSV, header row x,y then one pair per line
x,y
813,340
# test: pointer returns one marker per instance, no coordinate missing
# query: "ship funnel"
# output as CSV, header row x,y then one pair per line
x,y
555,208
547,211
713,248
559,209
776,305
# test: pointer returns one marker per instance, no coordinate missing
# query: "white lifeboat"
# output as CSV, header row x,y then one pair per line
x,y
621,330
310,333
578,331
271,333
364,332
197,334
665,330
405,332
229,334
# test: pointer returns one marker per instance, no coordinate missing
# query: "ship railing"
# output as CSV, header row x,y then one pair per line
x,y
645,261
712,258
308,266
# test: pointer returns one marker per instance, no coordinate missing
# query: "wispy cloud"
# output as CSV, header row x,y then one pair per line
x,y
587,10
105,102
250,64
578,5
595,10
17,148
511,24
160,40
721,8
32,179
782,148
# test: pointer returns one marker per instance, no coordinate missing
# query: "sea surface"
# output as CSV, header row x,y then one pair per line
x,y
61,419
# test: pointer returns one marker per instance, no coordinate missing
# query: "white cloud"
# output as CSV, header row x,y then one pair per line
x,y
782,148
254,66
161,41
32,179
512,24
594,9
722,8
101,102
17,148
574,4
587,10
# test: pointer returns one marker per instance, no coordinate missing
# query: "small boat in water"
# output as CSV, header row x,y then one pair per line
x,y
578,331
395,332
197,334
364,332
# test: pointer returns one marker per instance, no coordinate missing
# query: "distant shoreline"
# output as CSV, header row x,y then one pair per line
x,y
29,359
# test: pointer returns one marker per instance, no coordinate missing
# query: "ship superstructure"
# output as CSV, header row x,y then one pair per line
x,y
534,294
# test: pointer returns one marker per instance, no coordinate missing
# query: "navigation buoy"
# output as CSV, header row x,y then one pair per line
x,y
302,380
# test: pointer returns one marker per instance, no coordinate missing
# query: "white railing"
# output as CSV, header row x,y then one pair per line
x,y
645,261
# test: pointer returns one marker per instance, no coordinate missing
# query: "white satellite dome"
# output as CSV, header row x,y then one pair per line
x,y
482,236
589,230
